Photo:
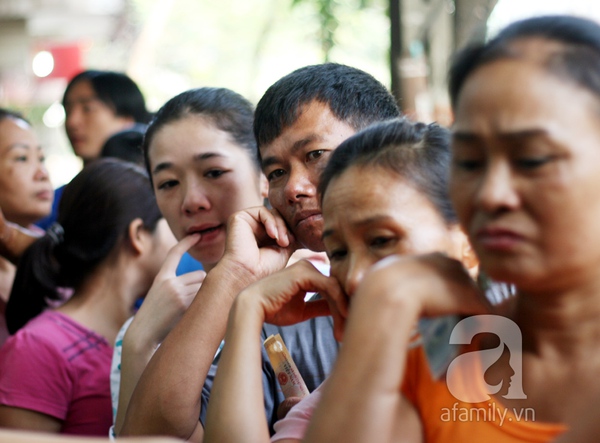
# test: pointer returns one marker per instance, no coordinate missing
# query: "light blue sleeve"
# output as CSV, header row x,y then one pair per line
x,y
115,368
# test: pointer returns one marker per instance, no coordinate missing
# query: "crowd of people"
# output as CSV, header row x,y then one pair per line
x,y
137,308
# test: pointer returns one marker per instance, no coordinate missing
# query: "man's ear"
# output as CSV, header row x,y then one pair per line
x,y
127,120
137,237
464,251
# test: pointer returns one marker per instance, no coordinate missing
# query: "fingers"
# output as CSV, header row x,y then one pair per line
x,y
339,319
285,406
275,226
191,278
334,306
316,308
334,302
282,295
332,293
176,252
283,229
272,223
437,285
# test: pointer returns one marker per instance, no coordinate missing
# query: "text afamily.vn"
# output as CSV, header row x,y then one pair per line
x,y
491,413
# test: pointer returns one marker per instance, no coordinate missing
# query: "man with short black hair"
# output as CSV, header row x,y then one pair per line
x,y
298,122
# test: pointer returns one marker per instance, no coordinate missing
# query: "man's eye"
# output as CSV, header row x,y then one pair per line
x,y
274,175
313,155
468,165
381,242
532,163
168,184
21,158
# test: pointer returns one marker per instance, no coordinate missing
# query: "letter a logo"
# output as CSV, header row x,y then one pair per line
x,y
458,377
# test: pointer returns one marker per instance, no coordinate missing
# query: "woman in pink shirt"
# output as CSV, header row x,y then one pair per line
x,y
108,245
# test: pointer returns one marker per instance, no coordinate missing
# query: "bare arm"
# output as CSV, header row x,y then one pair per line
x,y
167,399
18,418
167,300
362,397
12,436
236,411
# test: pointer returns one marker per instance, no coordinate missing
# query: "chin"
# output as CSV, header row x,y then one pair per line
x,y
310,237
315,244
206,258
32,217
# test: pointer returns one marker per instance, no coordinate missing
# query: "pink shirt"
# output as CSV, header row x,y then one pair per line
x,y
294,424
57,367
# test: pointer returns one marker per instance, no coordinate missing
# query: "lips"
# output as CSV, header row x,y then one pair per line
x,y
76,139
306,216
498,238
204,229
44,195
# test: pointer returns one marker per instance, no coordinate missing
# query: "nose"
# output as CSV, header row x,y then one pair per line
x,y
41,173
72,117
300,184
497,188
195,199
358,265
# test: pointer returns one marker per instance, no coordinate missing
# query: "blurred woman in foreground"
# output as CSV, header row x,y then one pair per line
x,y
524,182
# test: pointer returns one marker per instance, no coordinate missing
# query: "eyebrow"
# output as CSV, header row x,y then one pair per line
x,y
82,100
471,137
196,158
299,144
22,145
360,223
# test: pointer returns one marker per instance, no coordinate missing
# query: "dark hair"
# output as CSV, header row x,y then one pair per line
x,y
353,96
95,212
228,110
7,113
417,152
576,59
117,91
126,145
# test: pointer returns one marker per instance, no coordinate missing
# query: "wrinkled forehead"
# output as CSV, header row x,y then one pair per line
x,y
572,64
535,48
558,58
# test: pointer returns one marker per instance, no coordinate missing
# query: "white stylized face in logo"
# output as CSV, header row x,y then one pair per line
x,y
462,368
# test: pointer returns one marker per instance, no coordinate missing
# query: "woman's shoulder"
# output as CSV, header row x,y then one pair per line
x,y
54,334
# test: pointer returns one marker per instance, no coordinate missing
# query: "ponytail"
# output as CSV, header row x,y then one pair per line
x,y
93,219
36,280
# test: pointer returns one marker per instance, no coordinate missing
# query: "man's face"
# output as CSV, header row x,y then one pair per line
x,y
89,121
293,163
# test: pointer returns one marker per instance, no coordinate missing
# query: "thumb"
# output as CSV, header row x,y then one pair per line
x,y
176,252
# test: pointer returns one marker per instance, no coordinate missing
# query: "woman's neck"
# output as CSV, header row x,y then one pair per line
x,y
103,302
564,324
